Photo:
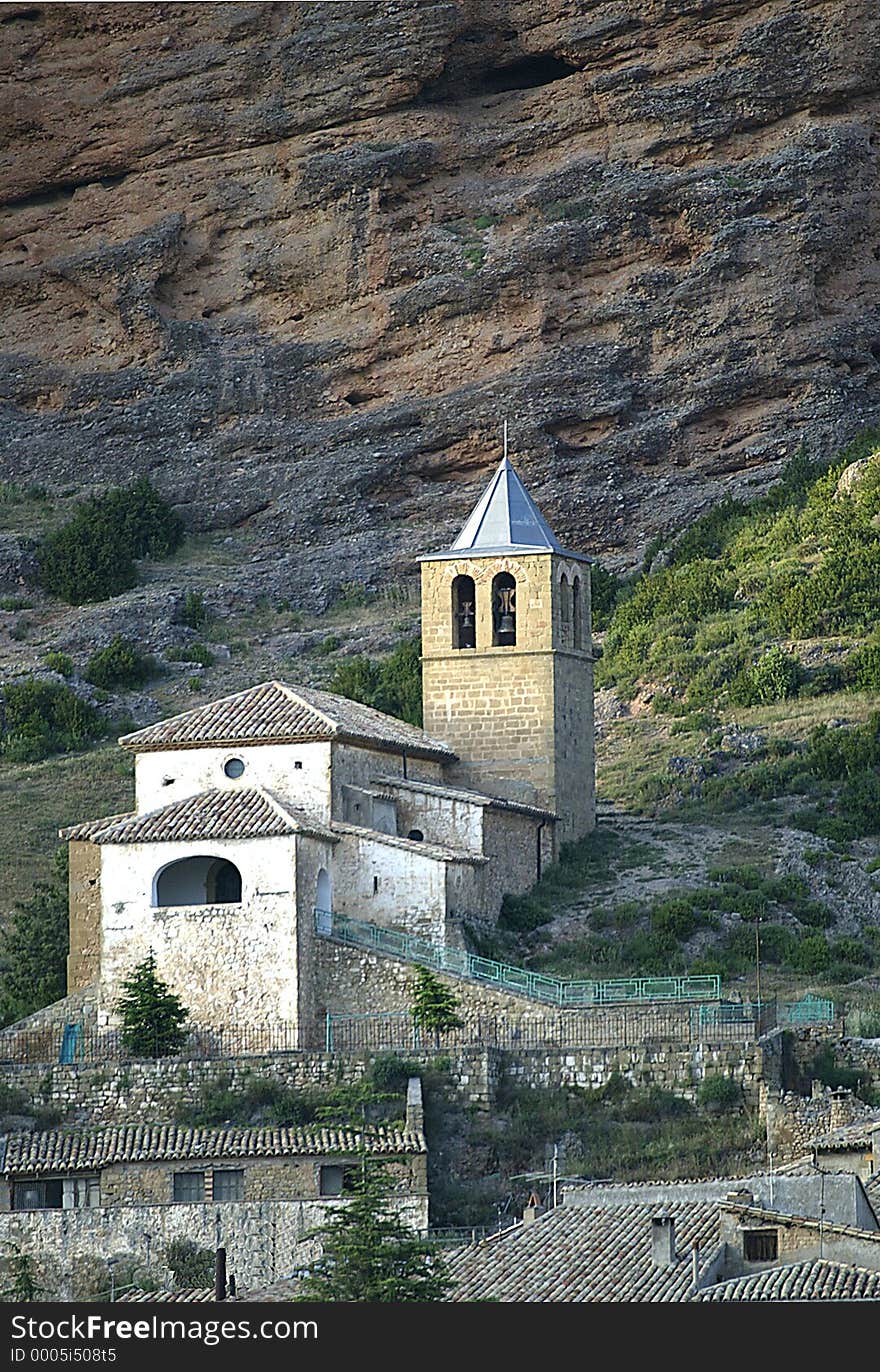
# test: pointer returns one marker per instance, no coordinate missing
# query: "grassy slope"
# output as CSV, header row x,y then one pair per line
x,y
36,799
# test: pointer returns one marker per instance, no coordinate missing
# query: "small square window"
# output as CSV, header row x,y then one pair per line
x,y
229,1185
330,1181
760,1245
189,1187
297,766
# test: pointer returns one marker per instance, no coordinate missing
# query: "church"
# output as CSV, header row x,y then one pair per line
x,y
263,817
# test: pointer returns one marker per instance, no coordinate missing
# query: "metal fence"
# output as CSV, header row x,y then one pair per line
x,y
75,1043
534,985
618,1027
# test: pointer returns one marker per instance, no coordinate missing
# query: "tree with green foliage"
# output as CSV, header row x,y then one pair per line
x,y
33,948
22,1273
190,1265
393,685
92,556
434,1006
153,1018
368,1254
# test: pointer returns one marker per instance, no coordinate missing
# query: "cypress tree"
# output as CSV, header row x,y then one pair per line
x,y
153,1017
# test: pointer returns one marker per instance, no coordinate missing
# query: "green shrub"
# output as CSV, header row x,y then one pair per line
x,y
193,613
775,676
92,556
190,1266
41,718
191,652
121,663
718,1094
59,662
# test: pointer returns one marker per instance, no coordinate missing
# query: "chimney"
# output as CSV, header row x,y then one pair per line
x,y
842,1107
663,1241
533,1209
415,1113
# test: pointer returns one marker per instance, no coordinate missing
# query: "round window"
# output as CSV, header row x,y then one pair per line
x,y
234,768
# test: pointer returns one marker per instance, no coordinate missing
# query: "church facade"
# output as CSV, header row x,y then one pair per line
x,y
260,817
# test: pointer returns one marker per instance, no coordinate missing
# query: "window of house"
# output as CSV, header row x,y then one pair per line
x,y
375,886
336,1180
229,1185
297,764
760,1245
189,1187
416,835
234,768
37,1195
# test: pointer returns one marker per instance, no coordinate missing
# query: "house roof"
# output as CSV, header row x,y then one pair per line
x,y
57,1151
819,1226
439,852
221,814
455,793
276,713
816,1280
860,1134
586,1253
505,520
195,1295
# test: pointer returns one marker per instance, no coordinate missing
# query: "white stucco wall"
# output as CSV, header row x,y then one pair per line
x,y
230,964
411,890
163,777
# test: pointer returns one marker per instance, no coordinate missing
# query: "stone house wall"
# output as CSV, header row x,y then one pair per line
x,y
264,1240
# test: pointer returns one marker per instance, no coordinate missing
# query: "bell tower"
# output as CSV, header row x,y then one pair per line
x,y
507,657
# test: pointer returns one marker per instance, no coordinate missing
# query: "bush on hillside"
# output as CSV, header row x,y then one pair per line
x,y
92,556
121,663
775,676
40,718
392,685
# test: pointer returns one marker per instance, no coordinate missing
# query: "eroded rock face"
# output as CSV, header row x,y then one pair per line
x,y
297,262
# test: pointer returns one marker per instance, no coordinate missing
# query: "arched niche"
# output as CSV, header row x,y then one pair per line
x,y
199,880
565,603
577,613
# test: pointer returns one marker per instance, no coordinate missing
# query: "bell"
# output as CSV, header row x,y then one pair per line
x,y
506,624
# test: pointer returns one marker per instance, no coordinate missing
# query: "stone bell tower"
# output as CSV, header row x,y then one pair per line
x,y
507,657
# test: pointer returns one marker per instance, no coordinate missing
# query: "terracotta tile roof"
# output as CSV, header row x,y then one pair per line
x,y
197,1295
817,1280
58,1151
221,814
275,713
428,788
438,851
586,1253
848,1136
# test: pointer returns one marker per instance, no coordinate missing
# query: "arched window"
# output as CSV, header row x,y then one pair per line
x,y
198,881
503,610
464,606
564,612
323,899
416,835
577,613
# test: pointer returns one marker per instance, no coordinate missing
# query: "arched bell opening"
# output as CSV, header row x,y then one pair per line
x,y
503,610
577,613
464,606
565,599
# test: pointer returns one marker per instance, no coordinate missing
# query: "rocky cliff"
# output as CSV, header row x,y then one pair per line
x,y
297,261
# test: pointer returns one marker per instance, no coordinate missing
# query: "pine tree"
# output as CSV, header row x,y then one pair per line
x,y
153,1017
434,1006
33,949
369,1255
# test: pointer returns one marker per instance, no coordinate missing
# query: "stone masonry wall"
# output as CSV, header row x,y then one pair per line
x,y
264,1239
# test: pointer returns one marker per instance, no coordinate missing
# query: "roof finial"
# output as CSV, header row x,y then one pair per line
x,y
505,440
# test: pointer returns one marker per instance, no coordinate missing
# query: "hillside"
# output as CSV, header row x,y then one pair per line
x,y
296,263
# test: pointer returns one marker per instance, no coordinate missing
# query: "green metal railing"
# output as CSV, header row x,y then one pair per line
x,y
810,1010
535,985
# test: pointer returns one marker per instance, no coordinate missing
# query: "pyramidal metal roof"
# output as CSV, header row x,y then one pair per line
x,y
505,520
505,516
